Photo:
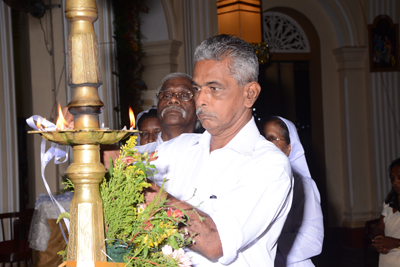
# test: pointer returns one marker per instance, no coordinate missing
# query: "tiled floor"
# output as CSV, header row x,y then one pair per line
x,y
346,257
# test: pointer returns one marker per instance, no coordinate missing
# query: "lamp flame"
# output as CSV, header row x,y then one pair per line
x,y
132,118
38,123
43,123
61,123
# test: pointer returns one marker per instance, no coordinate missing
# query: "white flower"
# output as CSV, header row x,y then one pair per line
x,y
141,208
182,258
167,250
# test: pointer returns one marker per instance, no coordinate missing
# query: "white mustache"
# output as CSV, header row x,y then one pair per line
x,y
181,110
200,111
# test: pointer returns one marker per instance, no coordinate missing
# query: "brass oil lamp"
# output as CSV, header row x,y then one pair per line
x,y
86,236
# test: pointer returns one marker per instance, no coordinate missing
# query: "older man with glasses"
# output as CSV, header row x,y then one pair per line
x,y
176,113
176,109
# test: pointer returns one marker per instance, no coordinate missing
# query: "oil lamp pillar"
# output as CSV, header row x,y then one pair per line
x,y
86,237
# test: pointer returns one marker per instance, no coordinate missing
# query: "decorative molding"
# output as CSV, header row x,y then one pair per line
x,y
357,219
83,59
283,34
161,60
161,53
350,57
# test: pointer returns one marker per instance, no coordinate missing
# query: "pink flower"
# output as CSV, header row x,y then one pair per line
x,y
179,255
153,156
167,250
182,258
178,214
127,160
169,212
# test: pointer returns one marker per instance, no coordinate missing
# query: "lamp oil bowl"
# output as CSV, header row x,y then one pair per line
x,y
85,137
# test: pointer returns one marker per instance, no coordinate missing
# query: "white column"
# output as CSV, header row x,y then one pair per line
x,y
357,176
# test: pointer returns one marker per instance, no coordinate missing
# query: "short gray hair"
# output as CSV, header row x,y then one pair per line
x,y
244,62
169,77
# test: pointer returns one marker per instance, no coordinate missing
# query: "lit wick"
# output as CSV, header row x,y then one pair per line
x,y
44,124
131,118
39,124
61,122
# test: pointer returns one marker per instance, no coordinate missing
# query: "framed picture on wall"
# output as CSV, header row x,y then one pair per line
x,y
383,45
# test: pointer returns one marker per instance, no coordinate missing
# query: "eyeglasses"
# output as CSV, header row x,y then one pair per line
x,y
272,139
182,96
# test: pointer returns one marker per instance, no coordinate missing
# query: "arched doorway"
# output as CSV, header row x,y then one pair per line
x,y
292,84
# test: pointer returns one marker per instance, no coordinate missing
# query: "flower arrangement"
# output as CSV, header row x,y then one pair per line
x,y
140,233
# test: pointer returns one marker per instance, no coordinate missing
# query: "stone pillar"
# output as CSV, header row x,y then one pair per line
x,y
9,200
356,176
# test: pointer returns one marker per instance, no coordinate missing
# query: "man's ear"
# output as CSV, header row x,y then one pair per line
x,y
252,91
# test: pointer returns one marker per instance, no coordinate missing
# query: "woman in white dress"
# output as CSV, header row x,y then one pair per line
x,y
303,233
387,232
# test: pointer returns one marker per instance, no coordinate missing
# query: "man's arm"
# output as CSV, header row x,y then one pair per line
x,y
207,240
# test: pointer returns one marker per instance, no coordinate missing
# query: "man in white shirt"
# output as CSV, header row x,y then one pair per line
x,y
242,183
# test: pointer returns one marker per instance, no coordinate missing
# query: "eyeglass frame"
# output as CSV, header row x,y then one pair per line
x,y
275,139
178,95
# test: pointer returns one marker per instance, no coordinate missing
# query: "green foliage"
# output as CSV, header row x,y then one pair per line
x,y
69,186
142,229
136,231
63,253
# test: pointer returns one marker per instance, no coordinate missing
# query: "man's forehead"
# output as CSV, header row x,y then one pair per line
x,y
177,82
214,69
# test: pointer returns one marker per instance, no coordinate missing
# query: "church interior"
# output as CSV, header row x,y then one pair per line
x,y
318,71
